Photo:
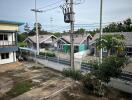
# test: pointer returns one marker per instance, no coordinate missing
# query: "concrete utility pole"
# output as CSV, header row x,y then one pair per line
x,y
101,30
69,18
71,34
36,25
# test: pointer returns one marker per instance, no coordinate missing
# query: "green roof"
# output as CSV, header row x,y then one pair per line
x,y
11,22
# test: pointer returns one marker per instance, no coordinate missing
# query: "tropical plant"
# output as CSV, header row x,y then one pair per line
x,y
111,42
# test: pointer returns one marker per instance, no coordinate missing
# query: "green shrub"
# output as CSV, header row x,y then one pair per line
x,y
49,54
92,85
74,74
111,67
20,88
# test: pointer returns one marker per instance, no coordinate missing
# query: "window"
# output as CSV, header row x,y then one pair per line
x,y
4,55
3,37
104,50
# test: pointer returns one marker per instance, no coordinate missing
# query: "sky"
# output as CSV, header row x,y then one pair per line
x,y
88,12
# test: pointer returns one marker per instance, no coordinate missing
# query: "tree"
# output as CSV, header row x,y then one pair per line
x,y
125,26
80,31
111,42
22,37
57,34
27,28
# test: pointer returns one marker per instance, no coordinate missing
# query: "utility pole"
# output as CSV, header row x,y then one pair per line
x,y
68,12
71,34
101,30
36,25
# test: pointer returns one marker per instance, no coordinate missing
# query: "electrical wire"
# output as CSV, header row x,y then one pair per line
x,y
50,4
50,9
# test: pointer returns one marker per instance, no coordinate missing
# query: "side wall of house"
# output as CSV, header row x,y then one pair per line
x,y
12,58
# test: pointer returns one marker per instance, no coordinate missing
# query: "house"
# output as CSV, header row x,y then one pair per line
x,y
128,43
8,41
81,43
46,42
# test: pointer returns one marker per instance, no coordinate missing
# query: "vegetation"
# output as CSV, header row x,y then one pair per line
x,y
57,34
22,37
125,26
93,85
111,42
20,88
22,44
111,67
49,54
74,74
93,82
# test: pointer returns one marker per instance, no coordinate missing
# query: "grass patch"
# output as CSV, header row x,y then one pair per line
x,y
20,88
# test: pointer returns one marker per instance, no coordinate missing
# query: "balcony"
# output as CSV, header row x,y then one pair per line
x,y
7,43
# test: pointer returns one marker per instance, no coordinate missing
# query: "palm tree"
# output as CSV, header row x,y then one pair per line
x,y
111,42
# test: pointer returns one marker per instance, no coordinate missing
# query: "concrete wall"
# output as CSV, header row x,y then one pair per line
x,y
53,65
12,58
9,27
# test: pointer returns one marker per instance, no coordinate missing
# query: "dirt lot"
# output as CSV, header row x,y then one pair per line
x,y
49,85
48,81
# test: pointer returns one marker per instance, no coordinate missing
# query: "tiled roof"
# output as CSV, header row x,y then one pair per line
x,y
41,38
77,39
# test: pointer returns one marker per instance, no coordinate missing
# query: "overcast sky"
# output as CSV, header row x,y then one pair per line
x,y
85,13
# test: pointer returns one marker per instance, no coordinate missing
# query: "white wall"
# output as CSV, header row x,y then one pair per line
x,y
11,58
10,39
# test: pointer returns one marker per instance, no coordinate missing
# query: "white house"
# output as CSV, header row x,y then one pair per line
x,y
8,41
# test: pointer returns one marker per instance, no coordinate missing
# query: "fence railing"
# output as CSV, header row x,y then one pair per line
x,y
55,59
85,66
7,43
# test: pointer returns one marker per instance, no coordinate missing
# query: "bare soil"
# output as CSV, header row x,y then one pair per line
x,y
50,84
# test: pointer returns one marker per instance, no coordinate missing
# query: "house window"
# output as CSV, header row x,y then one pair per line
x,y
61,46
3,37
104,50
129,51
4,55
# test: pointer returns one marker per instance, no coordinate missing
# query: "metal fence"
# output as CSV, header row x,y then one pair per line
x,y
85,67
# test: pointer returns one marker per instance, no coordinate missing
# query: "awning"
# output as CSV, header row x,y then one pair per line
x,y
28,49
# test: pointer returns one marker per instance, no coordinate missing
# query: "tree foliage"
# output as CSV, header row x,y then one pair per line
x,y
57,34
22,37
125,26
111,42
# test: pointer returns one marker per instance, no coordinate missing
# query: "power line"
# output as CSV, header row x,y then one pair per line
x,y
50,9
50,5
